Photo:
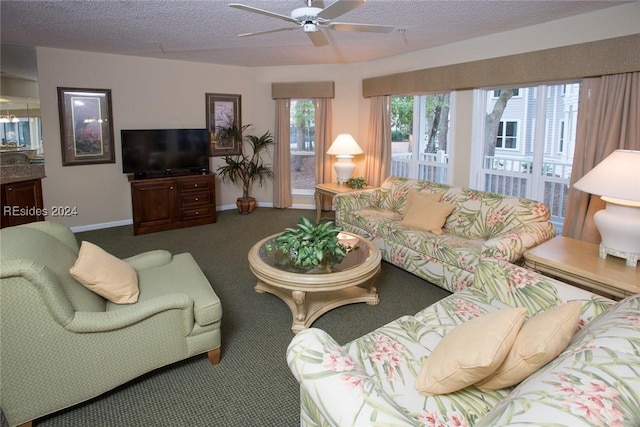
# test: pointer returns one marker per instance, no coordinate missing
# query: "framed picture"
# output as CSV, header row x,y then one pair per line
x,y
86,126
223,111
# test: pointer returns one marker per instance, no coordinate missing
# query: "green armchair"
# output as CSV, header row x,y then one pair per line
x,y
62,344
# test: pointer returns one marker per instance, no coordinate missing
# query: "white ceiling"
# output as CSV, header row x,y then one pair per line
x,y
206,30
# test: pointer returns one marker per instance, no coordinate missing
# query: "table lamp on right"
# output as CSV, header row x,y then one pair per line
x,y
617,180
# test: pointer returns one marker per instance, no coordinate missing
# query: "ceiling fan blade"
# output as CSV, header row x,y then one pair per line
x,y
340,7
262,12
267,31
318,38
345,26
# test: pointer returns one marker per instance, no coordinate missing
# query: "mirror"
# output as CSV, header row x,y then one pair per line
x,y
20,125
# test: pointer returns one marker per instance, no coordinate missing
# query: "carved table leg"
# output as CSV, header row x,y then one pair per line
x,y
300,315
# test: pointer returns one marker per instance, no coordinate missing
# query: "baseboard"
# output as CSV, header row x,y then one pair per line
x,y
91,227
301,206
232,207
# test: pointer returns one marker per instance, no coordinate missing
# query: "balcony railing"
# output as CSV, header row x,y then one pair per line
x,y
430,166
513,176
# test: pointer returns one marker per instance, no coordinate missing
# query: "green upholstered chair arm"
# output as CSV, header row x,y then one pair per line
x,y
149,259
127,316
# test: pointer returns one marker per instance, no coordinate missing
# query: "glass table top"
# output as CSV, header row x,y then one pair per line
x,y
357,253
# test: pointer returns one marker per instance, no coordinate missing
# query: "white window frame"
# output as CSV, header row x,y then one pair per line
x,y
504,137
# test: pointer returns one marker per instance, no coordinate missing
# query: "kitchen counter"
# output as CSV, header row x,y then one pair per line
x,y
17,173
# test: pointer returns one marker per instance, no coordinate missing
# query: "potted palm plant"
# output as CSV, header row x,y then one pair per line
x,y
245,168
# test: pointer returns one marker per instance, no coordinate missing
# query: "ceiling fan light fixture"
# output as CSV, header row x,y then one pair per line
x,y
310,27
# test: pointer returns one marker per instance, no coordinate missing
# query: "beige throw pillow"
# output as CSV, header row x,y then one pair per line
x,y
105,274
470,352
541,339
425,214
427,195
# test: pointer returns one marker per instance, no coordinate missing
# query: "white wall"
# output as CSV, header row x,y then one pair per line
x,y
156,93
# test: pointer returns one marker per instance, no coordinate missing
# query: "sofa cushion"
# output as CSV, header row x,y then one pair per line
x,y
420,194
105,274
426,214
481,214
595,381
394,191
470,352
392,356
539,341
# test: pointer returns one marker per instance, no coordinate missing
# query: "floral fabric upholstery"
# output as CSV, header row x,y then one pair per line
x,y
481,225
370,381
594,382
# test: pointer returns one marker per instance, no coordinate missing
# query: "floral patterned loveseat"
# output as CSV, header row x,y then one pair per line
x,y
482,224
595,381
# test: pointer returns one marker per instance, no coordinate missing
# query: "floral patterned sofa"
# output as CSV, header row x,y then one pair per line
x,y
481,225
595,381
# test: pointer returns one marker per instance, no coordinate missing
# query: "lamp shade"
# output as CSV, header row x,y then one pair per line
x,y
617,177
344,145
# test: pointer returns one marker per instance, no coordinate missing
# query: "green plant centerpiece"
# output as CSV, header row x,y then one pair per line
x,y
245,168
356,183
310,247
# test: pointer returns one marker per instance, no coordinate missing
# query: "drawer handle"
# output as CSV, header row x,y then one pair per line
x,y
197,199
196,185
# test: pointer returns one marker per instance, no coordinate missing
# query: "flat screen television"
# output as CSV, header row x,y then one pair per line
x,y
164,151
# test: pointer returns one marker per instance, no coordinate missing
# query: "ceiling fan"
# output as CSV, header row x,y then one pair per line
x,y
311,19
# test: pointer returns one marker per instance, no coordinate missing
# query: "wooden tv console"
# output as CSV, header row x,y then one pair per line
x,y
161,204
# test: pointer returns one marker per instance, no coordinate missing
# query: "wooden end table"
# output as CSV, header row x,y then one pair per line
x,y
310,295
329,189
579,263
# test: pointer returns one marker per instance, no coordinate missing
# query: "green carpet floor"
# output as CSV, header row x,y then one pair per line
x,y
252,384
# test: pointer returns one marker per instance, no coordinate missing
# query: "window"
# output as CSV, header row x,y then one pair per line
x,y
420,142
515,92
507,136
528,143
25,133
302,146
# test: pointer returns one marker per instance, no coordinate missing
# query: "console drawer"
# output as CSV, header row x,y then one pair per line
x,y
195,199
195,184
196,213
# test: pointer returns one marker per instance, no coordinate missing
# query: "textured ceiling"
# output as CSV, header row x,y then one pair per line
x,y
206,30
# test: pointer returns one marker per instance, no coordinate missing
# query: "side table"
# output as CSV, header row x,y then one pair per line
x,y
578,263
328,189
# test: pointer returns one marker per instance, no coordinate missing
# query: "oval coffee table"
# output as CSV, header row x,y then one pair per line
x,y
310,295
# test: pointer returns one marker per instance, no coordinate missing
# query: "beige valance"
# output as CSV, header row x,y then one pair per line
x,y
302,90
598,58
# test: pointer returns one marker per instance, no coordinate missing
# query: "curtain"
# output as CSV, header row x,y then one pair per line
x,y
378,150
282,159
324,130
608,119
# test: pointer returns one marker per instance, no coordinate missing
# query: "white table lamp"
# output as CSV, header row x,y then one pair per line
x,y
617,180
344,147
